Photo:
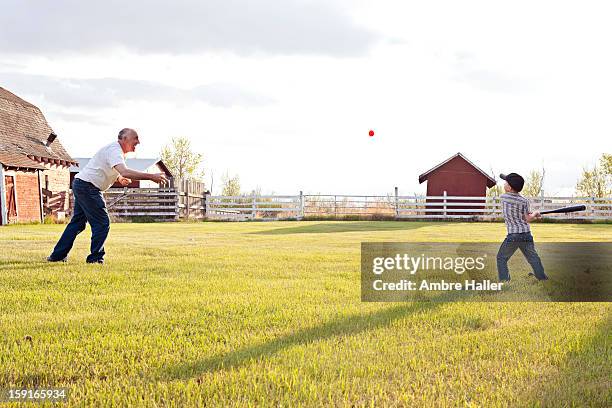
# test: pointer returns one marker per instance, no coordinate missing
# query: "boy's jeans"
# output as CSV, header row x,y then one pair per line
x,y
89,206
524,242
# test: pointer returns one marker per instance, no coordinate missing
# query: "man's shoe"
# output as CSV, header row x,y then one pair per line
x,y
99,261
49,259
532,274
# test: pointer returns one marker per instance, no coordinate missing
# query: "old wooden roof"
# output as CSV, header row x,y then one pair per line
x,y
24,132
490,180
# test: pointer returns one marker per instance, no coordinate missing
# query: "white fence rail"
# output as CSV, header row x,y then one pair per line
x,y
191,203
392,206
253,207
490,207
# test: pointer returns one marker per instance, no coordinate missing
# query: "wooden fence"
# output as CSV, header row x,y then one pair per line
x,y
155,203
189,200
181,199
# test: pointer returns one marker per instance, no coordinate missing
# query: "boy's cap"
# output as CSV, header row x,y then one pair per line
x,y
515,181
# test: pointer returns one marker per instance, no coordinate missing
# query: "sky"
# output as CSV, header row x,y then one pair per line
x,y
283,93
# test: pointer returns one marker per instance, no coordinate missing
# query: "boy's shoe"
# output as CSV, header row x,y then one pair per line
x,y
49,259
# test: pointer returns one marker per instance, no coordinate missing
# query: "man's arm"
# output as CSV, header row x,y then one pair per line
x,y
159,178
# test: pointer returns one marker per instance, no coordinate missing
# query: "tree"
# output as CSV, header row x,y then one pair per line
x,y
606,163
181,160
231,185
534,184
593,183
495,191
596,182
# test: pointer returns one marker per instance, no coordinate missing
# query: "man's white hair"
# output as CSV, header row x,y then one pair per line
x,y
124,132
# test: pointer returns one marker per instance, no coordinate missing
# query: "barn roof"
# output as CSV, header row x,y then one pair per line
x,y
490,180
24,132
136,164
18,160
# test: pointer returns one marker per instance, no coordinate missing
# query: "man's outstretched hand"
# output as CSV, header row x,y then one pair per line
x,y
159,178
124,181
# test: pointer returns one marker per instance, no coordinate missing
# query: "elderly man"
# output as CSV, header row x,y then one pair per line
x,y
106,167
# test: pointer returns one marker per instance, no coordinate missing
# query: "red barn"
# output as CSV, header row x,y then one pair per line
x,y
34,176
456,176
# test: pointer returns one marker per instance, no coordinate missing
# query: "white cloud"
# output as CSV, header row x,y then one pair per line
x,y
110,92
510,86
181,26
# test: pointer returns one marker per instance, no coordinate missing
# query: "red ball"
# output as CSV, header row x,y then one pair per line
x,y
371,133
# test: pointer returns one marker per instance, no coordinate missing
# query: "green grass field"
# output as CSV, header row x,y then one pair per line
x,y
269,313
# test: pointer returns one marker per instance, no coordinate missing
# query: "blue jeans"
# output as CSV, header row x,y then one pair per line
x,y
89,206
524,242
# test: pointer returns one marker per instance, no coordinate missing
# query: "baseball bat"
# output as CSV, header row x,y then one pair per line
x,y
569,209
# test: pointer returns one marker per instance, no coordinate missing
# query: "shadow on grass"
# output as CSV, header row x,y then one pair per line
x,y
584,378
346,326
345,226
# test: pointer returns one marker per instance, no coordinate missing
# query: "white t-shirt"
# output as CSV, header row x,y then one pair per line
x,y
100,170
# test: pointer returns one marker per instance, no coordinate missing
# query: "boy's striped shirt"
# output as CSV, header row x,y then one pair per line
x,y
515,208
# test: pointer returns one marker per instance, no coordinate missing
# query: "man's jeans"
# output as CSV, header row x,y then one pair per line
x,y
524,242
89,206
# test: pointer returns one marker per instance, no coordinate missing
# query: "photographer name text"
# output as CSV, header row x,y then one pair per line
x,y
424,285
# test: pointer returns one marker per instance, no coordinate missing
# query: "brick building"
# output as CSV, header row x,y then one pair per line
x,y
34,166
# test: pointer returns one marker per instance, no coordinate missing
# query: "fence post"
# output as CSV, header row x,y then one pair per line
x,y
396,203
301,210
254,206
187,200
444,202
497,211
335,207
206,194
177,203
125,191
202,209
541,199
592,202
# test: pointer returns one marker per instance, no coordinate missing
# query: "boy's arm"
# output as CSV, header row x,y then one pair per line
x,y
530,216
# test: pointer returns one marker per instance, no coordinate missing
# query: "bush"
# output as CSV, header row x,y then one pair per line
x,y
52,219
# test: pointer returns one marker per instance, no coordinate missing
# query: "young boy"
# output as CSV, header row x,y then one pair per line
x,y
515,209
